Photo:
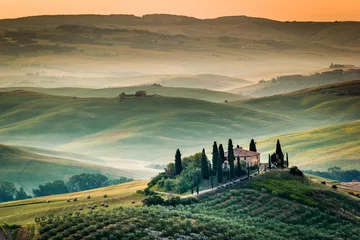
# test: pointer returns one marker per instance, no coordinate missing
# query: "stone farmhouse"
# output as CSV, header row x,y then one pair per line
x,y
251,158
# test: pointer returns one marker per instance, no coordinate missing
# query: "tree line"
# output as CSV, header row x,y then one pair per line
x,y
76,183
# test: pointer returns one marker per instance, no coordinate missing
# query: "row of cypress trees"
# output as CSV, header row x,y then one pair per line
x,y
218,157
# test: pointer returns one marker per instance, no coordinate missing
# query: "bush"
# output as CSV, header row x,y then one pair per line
x,y
153,200
296,171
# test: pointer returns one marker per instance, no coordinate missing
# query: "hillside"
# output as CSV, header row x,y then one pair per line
x,y
319,149
127,129
321,32
264,209
28,170
97,51
291,83
337,102
205,81
201,94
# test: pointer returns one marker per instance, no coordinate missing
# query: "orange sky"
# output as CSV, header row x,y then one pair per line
x,y
315,10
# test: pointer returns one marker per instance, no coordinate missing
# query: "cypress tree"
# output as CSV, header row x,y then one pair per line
x,y
197,184
178,163
287,159
219,170
252,146
192,184
269,162
231,159
215,156
279,153
221,153
238,167
204,166
211,177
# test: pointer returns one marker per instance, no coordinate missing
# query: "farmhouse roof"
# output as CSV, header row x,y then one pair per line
x,y
240,152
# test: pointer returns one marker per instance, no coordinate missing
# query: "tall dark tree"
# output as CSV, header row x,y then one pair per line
x,y
219,170
248,170
231,159
287,160
238,167
252,146
197,184
269,162
178,163
221,153
215,156
279,153
211,176
204,166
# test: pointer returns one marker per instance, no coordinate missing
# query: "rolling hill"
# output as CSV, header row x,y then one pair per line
x,y
291,83
98,51
337,102
201,94
206,81
127,129
28,169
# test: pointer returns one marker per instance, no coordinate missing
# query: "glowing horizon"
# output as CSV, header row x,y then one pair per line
x,y
283,10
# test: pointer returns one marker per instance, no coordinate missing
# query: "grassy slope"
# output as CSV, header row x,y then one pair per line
x,y
315,147
320,148
312,103
99,125
202,94
28,169
24,212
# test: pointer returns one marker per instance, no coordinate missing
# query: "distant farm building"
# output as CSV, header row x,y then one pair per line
x,y
251,158
141,93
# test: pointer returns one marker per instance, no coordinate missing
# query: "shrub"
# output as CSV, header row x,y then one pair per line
x,y
153,200
296,171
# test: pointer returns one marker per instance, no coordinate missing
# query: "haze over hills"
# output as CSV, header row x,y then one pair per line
x,y
98,126
201,94
291,83
97,51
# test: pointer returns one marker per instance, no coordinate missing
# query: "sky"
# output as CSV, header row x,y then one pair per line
x,y
299,10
